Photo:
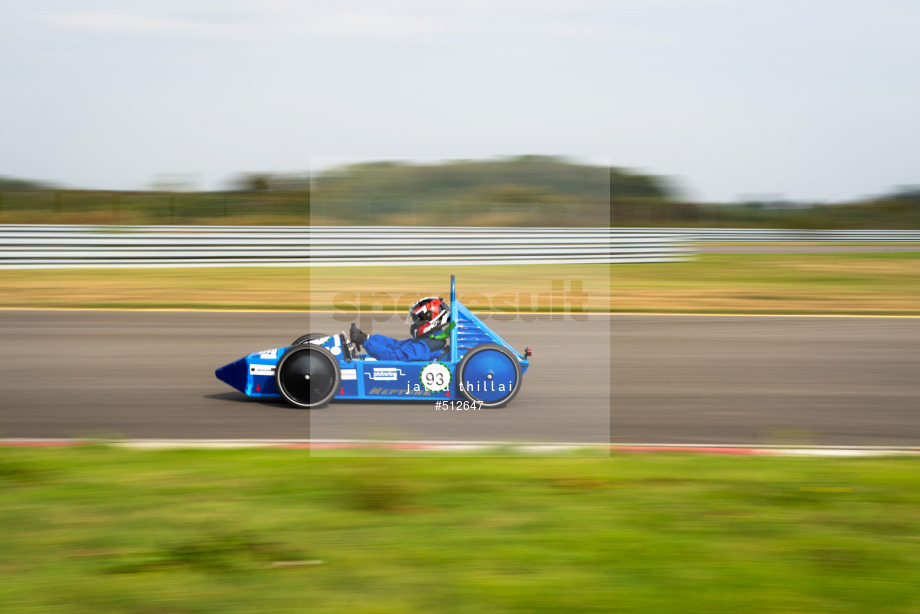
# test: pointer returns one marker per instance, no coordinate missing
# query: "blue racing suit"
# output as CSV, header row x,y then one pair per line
x,y
382,347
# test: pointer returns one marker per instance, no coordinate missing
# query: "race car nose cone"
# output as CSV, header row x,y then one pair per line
x,y
234,374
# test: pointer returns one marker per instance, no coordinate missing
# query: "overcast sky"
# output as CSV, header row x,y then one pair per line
x,y
802,99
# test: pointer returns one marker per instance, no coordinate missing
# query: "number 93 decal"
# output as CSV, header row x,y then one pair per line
x,y
435,377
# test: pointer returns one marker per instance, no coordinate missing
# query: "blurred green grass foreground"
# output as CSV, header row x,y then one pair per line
x,y
103,529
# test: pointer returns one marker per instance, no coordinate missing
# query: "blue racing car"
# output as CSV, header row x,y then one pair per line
x,y
475,366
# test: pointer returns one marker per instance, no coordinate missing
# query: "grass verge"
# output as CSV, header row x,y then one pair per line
x,y
851,283
102,529
854,283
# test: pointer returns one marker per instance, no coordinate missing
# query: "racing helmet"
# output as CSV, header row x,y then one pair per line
x,y
427,315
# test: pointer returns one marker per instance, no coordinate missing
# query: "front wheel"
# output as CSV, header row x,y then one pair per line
x,y
308,376
309,337
491,374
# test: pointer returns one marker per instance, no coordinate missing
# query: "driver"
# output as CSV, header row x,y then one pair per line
x,y
428,317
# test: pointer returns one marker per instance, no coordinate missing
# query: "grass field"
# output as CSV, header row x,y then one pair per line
x,y
100,529
853,283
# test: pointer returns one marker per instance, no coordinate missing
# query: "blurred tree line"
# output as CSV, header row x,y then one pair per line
x,y
518,191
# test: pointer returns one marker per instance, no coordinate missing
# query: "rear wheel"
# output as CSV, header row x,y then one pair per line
x,y
489,373
308,376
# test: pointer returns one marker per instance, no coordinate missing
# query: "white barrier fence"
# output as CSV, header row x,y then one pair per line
x,y
756,235
46,246
52,246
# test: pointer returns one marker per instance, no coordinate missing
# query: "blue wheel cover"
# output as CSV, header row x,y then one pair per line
x,y
480,366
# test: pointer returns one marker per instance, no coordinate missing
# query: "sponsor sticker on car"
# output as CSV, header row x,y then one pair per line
x,y
262,369
387,374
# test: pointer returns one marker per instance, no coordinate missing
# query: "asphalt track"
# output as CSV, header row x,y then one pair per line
x,y
729,380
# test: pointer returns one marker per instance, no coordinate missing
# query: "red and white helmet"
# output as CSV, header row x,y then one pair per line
x,y
428,315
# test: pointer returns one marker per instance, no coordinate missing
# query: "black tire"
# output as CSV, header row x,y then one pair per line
x,y
486,362
308,376
309,337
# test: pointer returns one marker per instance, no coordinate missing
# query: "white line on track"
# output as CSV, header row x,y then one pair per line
x,y
537,313
474,446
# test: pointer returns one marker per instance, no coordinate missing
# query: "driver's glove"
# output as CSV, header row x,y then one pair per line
x,y
357,337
